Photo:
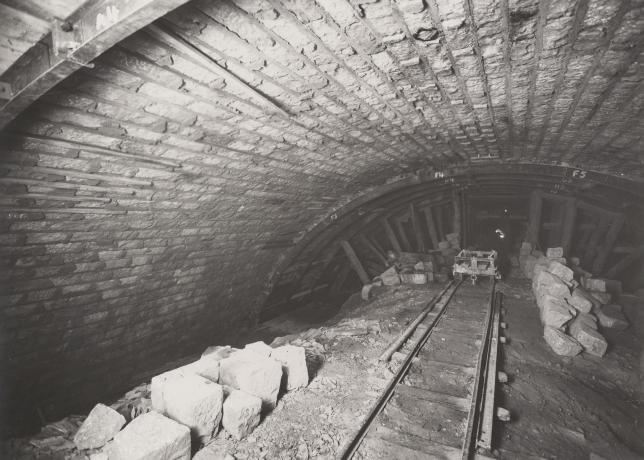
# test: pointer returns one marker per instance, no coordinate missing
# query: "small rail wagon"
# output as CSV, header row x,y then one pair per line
x,y
476,263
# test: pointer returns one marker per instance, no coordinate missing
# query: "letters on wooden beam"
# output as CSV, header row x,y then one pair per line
x,y
355,262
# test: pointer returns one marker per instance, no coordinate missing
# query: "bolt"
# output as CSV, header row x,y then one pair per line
x,y
66,26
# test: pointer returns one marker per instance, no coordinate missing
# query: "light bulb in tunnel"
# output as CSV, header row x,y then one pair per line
x,y
500,233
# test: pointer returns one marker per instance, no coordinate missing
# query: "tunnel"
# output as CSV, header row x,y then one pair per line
x,y
178,175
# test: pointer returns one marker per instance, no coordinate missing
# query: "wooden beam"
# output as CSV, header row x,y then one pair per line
x,y
626,262
369,245
340,278
72,44
534,217
595,238
420,243
406,245
609,242
438,218
457,221
355,262
391,235
568,225
431,226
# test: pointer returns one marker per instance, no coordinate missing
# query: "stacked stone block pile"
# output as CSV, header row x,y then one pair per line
x,y
573,306
184,408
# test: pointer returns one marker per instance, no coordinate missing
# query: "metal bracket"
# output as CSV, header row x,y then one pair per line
x,y
65,37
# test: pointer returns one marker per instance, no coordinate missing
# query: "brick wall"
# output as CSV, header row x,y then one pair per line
x,y
146,202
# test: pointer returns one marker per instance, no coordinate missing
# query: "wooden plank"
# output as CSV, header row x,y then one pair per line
x,y
440,227
369,245
340,278
595,238
609,242
95,28
487,423
420,242
391,235
534,217
431,226
355,262
457,220
626,262
568,225
461,404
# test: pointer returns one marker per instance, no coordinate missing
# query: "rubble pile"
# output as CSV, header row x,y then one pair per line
x,y
419,268
573,305
180,410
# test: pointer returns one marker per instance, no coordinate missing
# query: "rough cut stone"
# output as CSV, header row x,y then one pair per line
x,y
562,344
595,284
219,352
151,436
603,298
611,316
260,348
254,374
554,253
100,426
390,277
580,300
294,368
241,413
559,269
213,452
554,312
592,341
581,321
191,400
547,283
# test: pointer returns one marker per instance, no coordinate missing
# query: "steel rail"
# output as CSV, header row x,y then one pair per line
x,y
353,444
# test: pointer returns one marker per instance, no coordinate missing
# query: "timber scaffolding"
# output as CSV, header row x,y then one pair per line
x,y
440,403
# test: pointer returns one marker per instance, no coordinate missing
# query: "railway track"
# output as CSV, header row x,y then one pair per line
x,y
440,402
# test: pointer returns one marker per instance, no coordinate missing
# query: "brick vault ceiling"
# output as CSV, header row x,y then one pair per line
x,y
366,89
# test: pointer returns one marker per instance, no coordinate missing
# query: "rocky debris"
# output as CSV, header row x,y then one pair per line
x,y
241,413
260,348
254,374
293,360
213,452
560,342
191,400
611,316
134,403
100,426
592,341
219,352
580,300
151,436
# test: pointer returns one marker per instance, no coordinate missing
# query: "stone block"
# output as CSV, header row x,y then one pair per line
x,y
580,300
547,283
254,374
555,312
293,360
100,426
260,348
191,400
581,321
603,298
219,352
557,268
241,413
554,253
611,316
561,343
595,284
213,452
390,277
592,341
151,436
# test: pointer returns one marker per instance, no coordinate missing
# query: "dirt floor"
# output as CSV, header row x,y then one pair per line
x,y
564,408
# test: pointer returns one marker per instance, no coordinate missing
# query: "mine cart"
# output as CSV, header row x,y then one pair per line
x,y
475,264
